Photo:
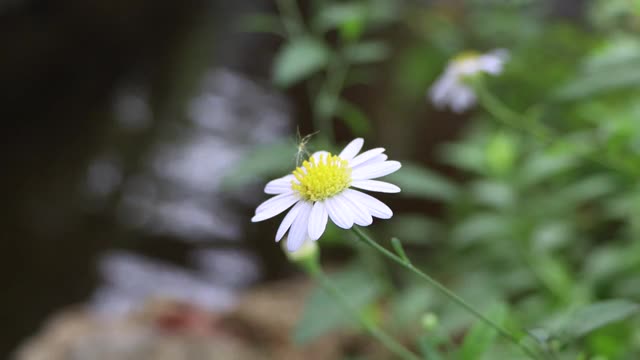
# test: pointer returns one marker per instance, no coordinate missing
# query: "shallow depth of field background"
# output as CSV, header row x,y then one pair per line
x,y
138,136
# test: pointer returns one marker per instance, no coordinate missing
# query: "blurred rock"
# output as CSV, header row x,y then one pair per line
x,y
160,331
259,327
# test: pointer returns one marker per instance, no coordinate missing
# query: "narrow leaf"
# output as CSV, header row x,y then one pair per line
x,y
366,52
582,321
263,23
397,246
417,181
323,313
354,118
481,336
298,60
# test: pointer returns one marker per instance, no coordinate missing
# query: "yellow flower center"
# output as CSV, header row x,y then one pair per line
x,y
322,178
466,55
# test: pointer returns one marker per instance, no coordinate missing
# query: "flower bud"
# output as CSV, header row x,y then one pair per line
x,y
307,256
429,321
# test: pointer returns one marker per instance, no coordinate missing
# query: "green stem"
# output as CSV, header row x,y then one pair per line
x,y
291,17
379,334
507,116
325,101
444,290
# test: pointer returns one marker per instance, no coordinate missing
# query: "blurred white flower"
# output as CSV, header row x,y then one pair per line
x,y
322,188
450,88
308,252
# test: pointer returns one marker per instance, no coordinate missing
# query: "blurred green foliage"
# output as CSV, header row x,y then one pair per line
x,y
540,234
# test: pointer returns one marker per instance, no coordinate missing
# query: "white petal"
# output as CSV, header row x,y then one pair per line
x,y
375,170
441,90
503,54
298,232
288,219
317,220
352,149
365,156
279,186
375,185
491,64
339,214
361,215
463,100
274,206
376,207
374,160
269,202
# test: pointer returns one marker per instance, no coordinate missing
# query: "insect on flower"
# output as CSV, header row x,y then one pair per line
x,y
322,188
302,151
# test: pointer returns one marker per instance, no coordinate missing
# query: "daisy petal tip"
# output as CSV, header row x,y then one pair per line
x,y
394,165
352,149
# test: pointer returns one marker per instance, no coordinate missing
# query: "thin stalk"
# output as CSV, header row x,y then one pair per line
x,y
336,73
291,17
385,339
444,290
326,100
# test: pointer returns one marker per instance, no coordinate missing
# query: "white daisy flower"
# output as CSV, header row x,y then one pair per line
x,y
323,188
450,89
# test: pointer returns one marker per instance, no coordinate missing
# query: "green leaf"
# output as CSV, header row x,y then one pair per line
x,y
354,118
263,23
339,14
555,275
552,235
612,67
429,348
465,155
620,77
414,228
501,152
496,194
298,60
350,31
582,321
545,166
322,313
589,189
481,336
366,52
620,50
262,162
397,247
407,306
480,226
416,181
